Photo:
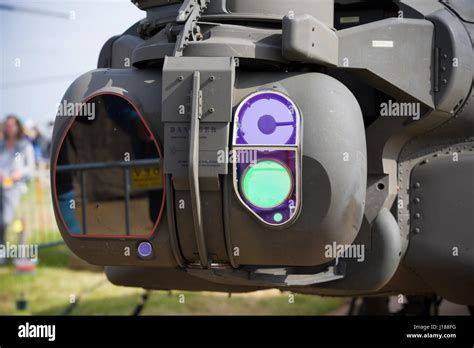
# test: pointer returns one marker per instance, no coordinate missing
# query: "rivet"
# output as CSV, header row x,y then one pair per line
x,y
417,185
417,216
417,200
211,110
417,230
180,78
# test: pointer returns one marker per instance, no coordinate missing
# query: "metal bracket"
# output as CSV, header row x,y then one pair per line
x,y
196,114
274,277
189,14
385,41
306,39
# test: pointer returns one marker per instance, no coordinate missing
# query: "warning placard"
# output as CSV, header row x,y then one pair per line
x,y
146,178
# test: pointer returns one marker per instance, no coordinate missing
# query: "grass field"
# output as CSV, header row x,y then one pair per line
x,y
50,289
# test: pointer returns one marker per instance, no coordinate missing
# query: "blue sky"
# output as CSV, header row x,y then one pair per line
x,y
41,55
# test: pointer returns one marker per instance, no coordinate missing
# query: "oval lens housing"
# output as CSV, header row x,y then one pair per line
x,y
108,178
267,156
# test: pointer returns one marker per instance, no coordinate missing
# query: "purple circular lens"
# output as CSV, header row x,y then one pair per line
x,y
267,118
145,249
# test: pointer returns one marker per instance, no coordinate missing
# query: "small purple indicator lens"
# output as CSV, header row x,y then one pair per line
x,y
145,249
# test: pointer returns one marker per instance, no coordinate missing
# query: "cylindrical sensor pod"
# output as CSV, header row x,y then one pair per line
x,y
299,169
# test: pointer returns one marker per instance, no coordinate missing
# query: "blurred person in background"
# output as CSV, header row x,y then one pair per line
x,y
17,164
41,145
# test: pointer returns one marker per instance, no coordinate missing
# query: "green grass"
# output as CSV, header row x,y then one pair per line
x,y
56,257
49,290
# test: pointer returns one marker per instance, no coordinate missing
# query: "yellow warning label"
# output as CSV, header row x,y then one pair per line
x,y
146,178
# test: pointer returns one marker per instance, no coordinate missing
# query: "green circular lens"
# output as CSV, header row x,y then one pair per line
x,y
266,184
277,217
